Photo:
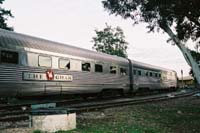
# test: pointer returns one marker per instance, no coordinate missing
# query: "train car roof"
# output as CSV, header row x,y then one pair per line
x,y
10,39
148,66
13,40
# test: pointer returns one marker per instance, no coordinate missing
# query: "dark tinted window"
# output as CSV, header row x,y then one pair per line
x,y
123,71
150,74
113,69
86,67
139,73
98,68
9,57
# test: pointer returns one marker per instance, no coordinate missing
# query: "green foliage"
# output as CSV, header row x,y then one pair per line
x,y
183,15
37,131
111,41
4,15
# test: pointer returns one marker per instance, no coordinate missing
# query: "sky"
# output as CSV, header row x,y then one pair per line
x,y
73,22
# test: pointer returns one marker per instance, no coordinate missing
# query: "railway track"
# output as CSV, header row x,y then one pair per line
x,y
18,115
90,106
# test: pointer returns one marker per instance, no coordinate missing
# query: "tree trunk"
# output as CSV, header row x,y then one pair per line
x,y
186,53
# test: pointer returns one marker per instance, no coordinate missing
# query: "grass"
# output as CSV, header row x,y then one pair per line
x,y
181,116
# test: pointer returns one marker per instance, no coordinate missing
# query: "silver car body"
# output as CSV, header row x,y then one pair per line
x,y
26,61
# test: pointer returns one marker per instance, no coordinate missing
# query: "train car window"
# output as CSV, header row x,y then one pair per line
x,y
134,72
113,69
159,75
75,65
150,74
98,68
123,71
86,67
156,75
44,61
64,63
139,73
9,57
147,74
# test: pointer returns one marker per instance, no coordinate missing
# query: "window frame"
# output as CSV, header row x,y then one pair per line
x,y
64,67
44,56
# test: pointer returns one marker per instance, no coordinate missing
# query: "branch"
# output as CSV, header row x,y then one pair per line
x,y
178,43
193,20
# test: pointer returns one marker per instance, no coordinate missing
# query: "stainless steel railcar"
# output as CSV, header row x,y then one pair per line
x,y
35,66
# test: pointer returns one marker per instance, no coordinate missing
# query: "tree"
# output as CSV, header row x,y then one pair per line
x,y
196,57
197,46
180,19
111,41
4,15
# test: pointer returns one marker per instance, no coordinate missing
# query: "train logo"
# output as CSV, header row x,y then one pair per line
x,y
49,74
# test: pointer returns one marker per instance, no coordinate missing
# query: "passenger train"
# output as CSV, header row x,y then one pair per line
x,y
31,66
